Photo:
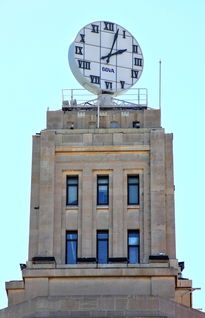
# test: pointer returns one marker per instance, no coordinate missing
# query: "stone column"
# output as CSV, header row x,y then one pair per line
x,y
46,206
171,244
118,215
34,205
157,192
87,214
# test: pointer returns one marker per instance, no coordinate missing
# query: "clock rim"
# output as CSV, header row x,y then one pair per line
x,y
83,80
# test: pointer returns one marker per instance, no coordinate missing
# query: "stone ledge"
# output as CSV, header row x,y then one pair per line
x,y
102,148
110,270
15,284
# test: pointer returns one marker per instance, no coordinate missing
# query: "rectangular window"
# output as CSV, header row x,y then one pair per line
x,y
133,247
71,247
102,190
102,247
72,190
132,190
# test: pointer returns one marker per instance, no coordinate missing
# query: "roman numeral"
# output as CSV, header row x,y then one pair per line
x,y
134,73
95,79
84,64
109,26
95,28
137,61
79,50
135,48
122,83
123,34
82,38
108,85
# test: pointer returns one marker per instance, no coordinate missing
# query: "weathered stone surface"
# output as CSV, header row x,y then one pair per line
x,y
86,306
118,289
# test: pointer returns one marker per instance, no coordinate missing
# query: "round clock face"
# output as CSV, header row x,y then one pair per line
x,y
105,58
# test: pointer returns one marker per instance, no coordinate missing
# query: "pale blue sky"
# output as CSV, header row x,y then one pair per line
x,y
34,40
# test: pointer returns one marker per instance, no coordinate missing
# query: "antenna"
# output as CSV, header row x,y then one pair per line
x,y
160,83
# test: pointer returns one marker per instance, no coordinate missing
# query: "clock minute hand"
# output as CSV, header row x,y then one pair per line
x,y
113,43
114,53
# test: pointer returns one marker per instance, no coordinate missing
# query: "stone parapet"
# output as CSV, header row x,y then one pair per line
x,y
114,117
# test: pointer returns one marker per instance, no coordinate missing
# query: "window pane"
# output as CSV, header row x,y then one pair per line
x,y
72,236
133,246
102,180
102,190
132,180
133,255
102,251
133,239
102,194
71,252
72,190
72,180
102,235
72,195
102,246
133,194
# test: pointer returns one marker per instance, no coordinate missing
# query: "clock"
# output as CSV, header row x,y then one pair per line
x,y
105,58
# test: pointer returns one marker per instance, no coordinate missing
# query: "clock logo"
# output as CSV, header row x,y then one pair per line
x,y
105,58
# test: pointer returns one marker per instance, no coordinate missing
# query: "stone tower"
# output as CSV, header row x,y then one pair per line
x,y
102,227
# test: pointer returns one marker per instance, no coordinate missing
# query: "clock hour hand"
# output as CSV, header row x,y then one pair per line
x,y
111,54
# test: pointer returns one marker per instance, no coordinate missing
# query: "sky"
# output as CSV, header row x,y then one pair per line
x,y
34,41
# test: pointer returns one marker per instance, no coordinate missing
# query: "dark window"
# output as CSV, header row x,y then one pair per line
x,y
133,247
132,190
102,247
102,190
71,247
136,124
72,190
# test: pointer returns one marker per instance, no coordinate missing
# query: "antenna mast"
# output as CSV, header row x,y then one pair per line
x,y
160,83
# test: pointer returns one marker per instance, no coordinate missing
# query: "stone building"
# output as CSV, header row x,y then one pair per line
x,y
102,225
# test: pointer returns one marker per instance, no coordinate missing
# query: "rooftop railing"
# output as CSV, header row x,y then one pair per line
x,y
134,97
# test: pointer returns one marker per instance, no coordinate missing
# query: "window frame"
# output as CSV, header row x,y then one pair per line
x,y
100,177
137,246
66,247
137,184
74,185
100,240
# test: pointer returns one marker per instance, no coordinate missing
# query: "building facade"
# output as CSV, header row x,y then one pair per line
x,y
102,224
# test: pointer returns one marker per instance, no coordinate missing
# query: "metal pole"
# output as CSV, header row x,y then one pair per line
x,y
98,112
98,117
160,83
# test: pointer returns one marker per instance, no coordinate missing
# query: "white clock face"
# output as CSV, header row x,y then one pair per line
x,y
105,58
